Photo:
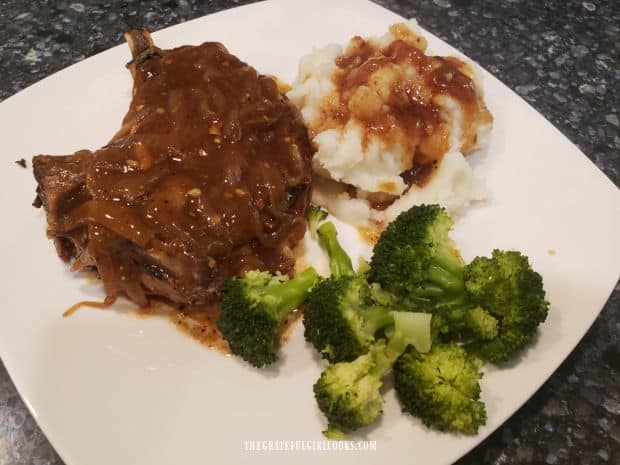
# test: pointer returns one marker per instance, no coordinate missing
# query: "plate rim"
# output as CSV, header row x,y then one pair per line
x,y
487,75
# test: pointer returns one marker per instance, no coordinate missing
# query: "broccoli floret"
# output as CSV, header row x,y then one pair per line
x,y
339,320
338,323
441,388
415,256
253,309
314,215
455,320
513,293
463,323
400,302
415,266
348,393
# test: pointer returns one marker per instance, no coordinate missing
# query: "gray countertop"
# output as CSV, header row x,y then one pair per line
x,y
561,56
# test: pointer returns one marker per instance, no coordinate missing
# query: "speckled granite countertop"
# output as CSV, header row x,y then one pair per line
x,y
561,56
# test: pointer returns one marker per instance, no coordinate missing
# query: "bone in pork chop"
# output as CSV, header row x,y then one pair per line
x,y
207,178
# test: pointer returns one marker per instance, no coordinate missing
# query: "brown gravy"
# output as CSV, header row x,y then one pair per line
x,y
207,178
413,116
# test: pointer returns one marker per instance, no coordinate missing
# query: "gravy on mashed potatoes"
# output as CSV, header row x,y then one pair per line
x,y
385,118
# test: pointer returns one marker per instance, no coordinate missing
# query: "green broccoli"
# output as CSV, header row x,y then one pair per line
x,y
339,262
400,302
513,293
314,215
414,255
457,319
408,328
441,388
255,306
464,322
348,393
493,305
415,266
339,319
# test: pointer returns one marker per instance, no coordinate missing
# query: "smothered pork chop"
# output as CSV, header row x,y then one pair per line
x,y
207,178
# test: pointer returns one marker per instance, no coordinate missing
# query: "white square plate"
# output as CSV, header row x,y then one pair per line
x,y
110,389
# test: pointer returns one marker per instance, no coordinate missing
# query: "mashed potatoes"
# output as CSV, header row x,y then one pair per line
x,y
390,125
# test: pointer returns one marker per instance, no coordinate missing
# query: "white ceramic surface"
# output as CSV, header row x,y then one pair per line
x,y
111,389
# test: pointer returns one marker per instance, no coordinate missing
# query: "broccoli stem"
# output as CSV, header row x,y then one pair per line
x,y
383,360
447,259
314,215
456,302
339,262
375,317
428,290
446,271
290,294
409,329
444,279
